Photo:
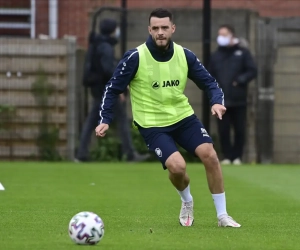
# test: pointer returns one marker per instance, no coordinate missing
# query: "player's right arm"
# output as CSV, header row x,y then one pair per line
x,y
123,74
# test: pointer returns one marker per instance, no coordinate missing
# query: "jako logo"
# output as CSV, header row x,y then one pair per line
x,y
155,85
170,83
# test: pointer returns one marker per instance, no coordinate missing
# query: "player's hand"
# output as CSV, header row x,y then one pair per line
x,y
218,110
101,129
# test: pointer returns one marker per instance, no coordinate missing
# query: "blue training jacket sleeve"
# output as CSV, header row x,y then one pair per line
x,y
123,74
201,77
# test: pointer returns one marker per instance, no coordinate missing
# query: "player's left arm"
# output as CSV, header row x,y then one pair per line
x,y
201,77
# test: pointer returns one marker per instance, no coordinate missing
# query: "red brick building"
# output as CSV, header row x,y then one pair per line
x,y
73,15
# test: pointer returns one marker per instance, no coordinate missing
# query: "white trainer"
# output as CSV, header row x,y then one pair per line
x,y
225,162
237,161
186,216
227,221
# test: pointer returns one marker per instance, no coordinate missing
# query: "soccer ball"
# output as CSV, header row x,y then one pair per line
x,y
86,228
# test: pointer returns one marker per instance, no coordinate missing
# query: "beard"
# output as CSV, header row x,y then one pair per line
x,y
162,44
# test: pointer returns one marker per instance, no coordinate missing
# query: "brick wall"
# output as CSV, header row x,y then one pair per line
x,y
14,3
74,15
42,26
278,8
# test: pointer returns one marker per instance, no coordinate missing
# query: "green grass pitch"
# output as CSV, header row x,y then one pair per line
x,y
40,199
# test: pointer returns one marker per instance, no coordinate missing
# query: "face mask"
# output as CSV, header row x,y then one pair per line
x,y
223,40
118,33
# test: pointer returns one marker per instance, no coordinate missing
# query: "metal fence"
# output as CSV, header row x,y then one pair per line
x,y
33,49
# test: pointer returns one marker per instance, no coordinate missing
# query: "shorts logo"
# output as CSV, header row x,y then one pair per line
x,y
204,132
155,85
158,152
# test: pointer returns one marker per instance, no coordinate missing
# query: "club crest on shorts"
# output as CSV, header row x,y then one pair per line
x,y
158,152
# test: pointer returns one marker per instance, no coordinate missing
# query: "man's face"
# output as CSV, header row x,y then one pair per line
x,y
224,32
161,30
225,37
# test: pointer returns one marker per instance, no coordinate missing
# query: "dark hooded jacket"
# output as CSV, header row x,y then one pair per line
x,y
229,65
104,61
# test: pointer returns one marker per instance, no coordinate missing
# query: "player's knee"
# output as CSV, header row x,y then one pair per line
x,y
211,157
177,169
208,155
176,166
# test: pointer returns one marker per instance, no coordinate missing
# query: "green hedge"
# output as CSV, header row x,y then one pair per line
x,y
48,137
7,113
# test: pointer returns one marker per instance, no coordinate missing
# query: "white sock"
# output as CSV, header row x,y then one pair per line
x,y
185,194
220,203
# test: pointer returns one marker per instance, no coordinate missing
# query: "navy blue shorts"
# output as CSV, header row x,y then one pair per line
x,y
189,133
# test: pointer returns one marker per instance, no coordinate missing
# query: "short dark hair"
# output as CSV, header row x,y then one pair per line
x,y
228,27
161,13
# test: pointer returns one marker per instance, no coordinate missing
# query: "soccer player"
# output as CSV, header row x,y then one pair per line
x,y
156,73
